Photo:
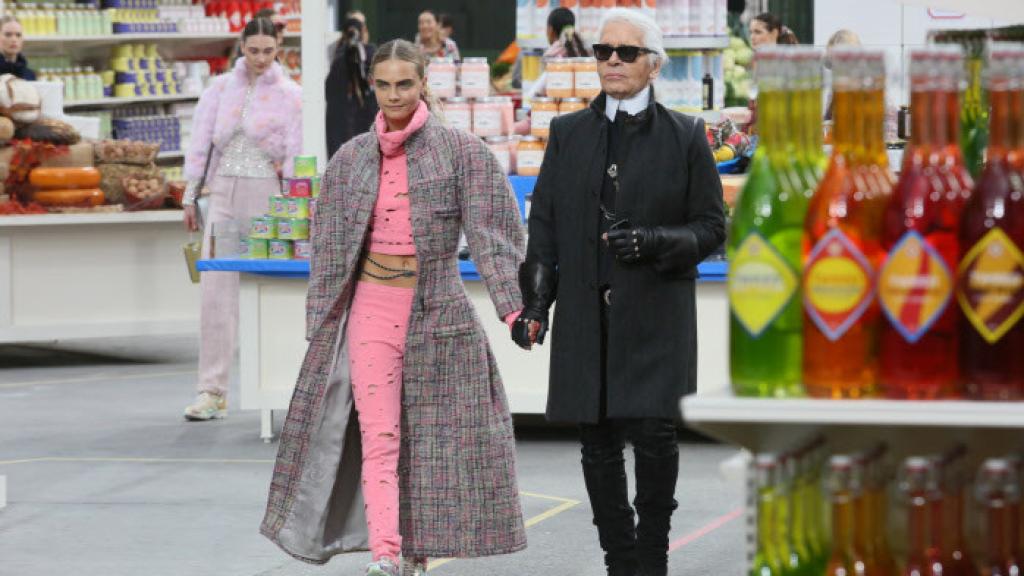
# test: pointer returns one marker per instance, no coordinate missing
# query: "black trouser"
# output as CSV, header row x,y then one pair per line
x,y
641,548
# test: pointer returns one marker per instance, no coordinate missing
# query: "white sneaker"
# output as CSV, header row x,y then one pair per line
x,y
208,406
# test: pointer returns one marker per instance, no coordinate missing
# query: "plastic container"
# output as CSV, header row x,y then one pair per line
x,y
302,249
441,77
279,206
487,117
281,250
500,147
293,228
475,78
262,227
570,105
255,248
305,166
459,113
559,78
543,111
586,82
300,187
530,155
296,207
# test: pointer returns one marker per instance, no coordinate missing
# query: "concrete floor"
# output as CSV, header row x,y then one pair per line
x,y
105,478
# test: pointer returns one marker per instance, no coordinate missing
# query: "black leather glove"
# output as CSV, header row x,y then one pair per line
x,y
653,243
538,283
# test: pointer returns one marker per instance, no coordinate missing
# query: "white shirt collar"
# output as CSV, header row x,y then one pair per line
x,y
631,106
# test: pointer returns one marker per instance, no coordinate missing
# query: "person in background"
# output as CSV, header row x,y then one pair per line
x,y
248,129
563,42
11,43
627,203
393,334
766,29
430,41
842,37
351,105
447,24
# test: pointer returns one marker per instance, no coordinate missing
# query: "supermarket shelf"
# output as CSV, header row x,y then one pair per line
x,y
103,40
776,423
100,218
109,102
671,43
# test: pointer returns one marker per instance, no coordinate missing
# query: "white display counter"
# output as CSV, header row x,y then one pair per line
x,y
66,276
272,341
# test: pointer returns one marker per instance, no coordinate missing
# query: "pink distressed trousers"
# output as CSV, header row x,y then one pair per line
x,y
238,199
377,325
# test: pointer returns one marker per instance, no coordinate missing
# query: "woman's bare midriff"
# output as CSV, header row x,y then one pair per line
x,y
389,261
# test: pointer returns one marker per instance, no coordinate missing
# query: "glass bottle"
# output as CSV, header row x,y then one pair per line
x,y
790,532
843,245
958,560
990,285
767,560
998,495
764,249
918,483
918,355
844,486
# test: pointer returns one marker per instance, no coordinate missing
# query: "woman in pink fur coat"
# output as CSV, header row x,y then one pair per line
x,y
247,131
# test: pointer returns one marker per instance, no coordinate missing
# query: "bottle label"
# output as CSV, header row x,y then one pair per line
x,y
837,284
559,81
990,285
914,286
761,284
541,119
588,81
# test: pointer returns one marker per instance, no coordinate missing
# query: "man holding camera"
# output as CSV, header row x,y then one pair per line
x,y
627,203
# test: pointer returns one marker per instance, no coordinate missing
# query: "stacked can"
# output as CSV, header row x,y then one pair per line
x,y
283,234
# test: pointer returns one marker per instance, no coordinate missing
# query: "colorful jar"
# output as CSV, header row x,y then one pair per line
x,y
281,250
459,114
508,114
295,207
569,105
530,156
305,166
441,77
279,206
263,227
475,78
542,112
499,146
487,117
302,249
255,248
587,84
293,228
559,74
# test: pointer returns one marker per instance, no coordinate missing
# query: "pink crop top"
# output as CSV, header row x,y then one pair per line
x,y
391,225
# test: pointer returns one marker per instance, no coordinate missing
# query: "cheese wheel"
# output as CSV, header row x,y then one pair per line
x,y
74,197
64,178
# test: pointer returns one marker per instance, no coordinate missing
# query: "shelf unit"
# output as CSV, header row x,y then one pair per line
x,y
111,102
671,43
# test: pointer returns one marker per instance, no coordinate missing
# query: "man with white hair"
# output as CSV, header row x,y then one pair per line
x,y
627,203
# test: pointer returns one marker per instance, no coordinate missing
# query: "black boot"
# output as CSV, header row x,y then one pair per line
x,y
657,468
604,471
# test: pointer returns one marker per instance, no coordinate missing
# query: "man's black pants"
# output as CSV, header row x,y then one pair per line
x,y
630,548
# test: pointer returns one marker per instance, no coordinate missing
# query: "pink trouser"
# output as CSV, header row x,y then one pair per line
x,y
237,199
377,325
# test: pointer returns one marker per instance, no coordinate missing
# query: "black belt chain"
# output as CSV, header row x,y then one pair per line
x,y
397,272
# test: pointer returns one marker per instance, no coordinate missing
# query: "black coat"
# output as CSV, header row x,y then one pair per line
x,y
19,68
346,116
668,177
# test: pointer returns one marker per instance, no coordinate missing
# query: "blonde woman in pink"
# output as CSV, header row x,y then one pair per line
x,y
399,438
247,130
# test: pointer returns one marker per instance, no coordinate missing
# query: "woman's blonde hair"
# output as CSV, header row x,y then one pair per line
x,y
406,51
7,19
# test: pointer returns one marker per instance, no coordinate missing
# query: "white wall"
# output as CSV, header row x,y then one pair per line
x,y
889,25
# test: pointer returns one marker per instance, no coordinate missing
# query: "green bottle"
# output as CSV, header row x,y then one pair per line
x,y
794,542
765,252
767,559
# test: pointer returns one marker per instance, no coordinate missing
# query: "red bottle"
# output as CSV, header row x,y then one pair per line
x,y
999,496
918,357
990,286
918,484
234,16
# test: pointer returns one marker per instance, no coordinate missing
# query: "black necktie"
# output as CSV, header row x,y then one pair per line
x,y
621,116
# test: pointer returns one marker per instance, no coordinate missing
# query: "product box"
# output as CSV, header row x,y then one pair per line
x,y
255,248
281,250
300,187
305,166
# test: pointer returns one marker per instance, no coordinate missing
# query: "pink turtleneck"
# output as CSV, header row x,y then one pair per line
x,y
391,223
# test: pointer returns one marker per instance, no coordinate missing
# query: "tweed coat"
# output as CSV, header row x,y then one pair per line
x,y
458,495
668,178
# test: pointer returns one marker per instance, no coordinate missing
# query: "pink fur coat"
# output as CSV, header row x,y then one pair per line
x,y
274,121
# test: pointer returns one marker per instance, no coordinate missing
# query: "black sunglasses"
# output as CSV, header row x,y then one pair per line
x,y
627,54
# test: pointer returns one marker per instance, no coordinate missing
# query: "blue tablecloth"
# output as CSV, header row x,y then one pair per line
x,y
522,185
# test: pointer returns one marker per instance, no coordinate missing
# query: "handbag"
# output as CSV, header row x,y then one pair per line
x,y
193,250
